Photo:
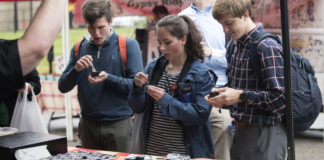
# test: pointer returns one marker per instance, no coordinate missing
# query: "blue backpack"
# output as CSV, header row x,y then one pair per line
x,y
306,95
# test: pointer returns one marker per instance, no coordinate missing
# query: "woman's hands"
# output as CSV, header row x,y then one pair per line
x,y
140,79
155,92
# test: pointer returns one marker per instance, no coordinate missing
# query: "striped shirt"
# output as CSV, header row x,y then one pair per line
x,y
265,105
165,135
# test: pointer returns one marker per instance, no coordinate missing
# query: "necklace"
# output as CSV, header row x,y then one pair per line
x,y
174,69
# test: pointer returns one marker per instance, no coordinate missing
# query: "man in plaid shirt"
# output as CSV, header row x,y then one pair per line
x,y
256,95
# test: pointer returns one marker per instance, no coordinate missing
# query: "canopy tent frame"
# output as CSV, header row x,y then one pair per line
x,y
287,71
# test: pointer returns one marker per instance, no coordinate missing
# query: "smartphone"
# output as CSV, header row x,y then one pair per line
x,y
213,94
94,74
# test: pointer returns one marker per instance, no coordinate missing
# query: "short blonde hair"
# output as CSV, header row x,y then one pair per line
x,y
234,8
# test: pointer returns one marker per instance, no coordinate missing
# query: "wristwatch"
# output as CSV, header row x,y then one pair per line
x,y
243,96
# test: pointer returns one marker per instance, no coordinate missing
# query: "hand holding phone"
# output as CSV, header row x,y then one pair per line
x,y
213,94
94,74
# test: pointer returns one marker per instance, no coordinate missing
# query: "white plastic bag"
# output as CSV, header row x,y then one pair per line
x,y
27,115
32,153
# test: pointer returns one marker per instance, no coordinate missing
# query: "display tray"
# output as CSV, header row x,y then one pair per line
x,y
82,155
10,143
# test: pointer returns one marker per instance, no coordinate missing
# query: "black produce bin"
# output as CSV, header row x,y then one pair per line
x,y
10,143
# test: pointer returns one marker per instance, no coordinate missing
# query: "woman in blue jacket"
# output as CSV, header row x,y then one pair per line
x,y
170,94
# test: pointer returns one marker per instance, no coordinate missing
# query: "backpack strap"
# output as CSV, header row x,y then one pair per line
x,y
229,53
76,48
185,69
265,34
254,57
183,73
122,48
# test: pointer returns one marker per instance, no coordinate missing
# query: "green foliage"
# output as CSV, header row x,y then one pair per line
x,y
75,35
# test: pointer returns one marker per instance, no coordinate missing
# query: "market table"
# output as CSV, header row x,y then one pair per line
x,y
122,156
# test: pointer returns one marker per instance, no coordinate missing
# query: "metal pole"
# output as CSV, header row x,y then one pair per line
x,y
287,71
15,17
31,9
50,58
67,96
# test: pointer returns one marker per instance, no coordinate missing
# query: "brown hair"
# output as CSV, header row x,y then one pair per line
x,y
180,26
234,8
160,9
95,9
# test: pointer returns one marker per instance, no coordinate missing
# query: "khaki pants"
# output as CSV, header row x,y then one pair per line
x,y
110,136
222,139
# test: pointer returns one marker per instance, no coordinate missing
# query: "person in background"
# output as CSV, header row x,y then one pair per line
x,y
10,101
71,12
159,12
170,94
105,122
153,51
257,101
21,56
214,52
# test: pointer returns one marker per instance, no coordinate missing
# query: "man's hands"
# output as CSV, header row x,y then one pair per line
x,y
100,78
83,63
21,90
207,51
227,96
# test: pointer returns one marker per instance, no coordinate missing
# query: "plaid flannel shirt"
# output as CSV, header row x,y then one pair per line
x,y
265,105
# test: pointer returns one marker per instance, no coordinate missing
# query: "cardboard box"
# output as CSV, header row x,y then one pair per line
x,y
10,143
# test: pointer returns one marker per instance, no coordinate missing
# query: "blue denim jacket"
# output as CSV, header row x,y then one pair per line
x,y
193,116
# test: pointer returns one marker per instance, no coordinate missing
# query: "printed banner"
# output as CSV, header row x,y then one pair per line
x,y
302,13
135,8
145,7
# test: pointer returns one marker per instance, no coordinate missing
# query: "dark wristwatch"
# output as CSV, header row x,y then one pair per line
x,y
243,96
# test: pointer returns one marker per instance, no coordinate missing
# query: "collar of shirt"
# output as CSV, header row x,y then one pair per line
x,y
250,35
206,10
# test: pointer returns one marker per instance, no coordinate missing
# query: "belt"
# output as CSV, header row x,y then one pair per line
x,y
244,124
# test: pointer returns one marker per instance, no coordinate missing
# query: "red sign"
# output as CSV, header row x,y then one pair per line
x,y
27,0
15,0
